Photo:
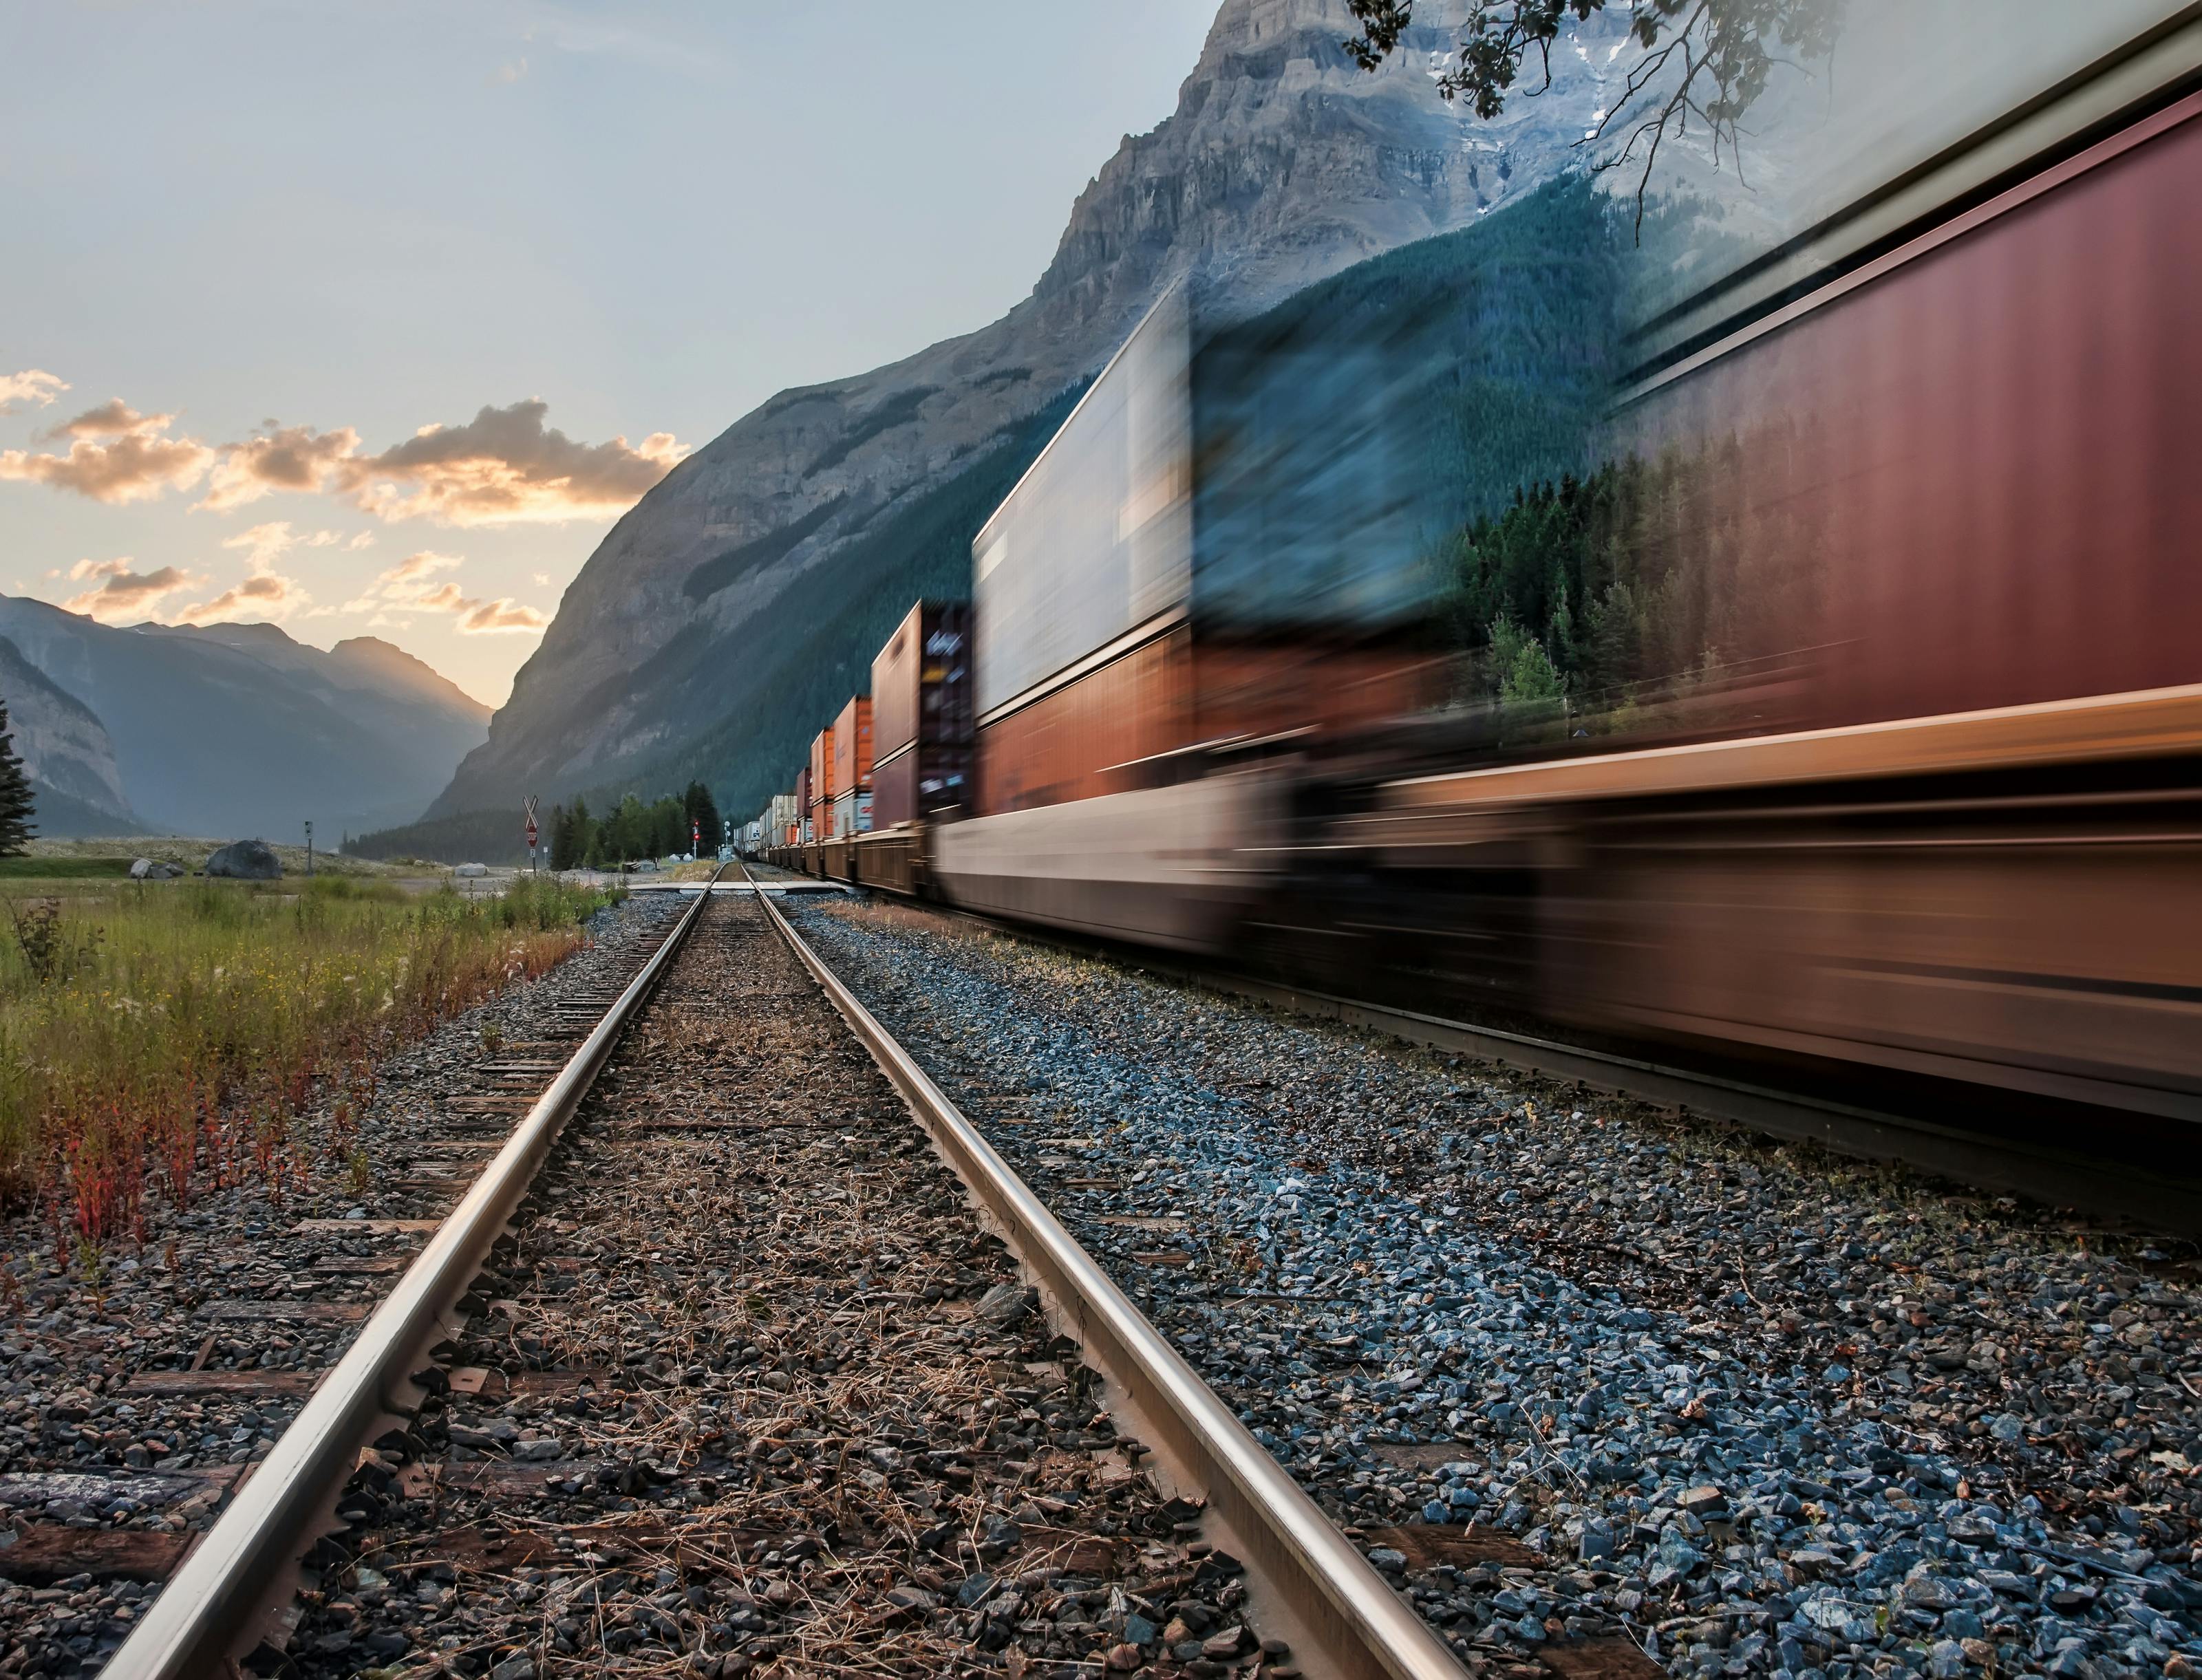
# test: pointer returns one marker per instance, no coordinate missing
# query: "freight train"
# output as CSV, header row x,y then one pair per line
x,y
1880,758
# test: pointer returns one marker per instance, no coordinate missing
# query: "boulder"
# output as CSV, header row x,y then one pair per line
x,y
245,860
151,869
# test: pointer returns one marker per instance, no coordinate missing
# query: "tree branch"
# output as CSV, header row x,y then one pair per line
x,y
1733,45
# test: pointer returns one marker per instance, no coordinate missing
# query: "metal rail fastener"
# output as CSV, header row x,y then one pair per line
x,y
213,1603
1312,1575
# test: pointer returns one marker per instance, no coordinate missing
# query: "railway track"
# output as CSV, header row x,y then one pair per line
x,y
715,1363
1726,1393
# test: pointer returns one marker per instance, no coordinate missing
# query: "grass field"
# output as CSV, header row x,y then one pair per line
x,y
164,1036
64,868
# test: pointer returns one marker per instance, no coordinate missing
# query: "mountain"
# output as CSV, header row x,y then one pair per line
x,y
724,616
65,753
239,730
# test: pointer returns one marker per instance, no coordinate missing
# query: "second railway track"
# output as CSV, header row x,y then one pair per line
x,y
747,1385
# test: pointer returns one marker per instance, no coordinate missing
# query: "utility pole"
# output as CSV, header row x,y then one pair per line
x,y
309,851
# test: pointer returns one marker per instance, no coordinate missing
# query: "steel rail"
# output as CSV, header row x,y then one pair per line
x,y
1347,1620
212,1608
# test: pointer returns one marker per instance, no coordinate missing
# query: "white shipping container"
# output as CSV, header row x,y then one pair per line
x,y
1096,539
852,814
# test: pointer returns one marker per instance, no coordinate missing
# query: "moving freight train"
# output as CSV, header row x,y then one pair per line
x,y
1844,714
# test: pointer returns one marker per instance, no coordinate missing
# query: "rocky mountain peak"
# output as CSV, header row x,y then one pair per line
x,y
1282,164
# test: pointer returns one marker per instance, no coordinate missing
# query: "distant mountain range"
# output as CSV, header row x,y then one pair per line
x,y
231,731
727,615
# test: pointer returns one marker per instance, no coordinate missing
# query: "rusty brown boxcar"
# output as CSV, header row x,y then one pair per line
x,y
1949,822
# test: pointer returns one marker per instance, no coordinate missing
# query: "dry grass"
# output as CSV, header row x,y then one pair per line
x,y
170,1033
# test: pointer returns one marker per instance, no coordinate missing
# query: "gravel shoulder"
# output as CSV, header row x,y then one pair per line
x,y
1564,1364
140,1386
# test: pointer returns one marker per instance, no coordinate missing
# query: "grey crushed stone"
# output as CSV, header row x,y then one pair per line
x,y
1770,1410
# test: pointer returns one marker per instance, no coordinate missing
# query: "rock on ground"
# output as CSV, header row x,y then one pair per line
x,y
245,860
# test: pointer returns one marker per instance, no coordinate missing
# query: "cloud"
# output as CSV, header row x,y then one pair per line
x,y
397,582
505,466
270,541
123,594
115,454
33,385
405,588
277,457
505,74
502,467
264,596
540,579
112,419
364,539
502,616
444,598
475,617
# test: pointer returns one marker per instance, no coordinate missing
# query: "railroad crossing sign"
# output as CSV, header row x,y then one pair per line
x,y
527,804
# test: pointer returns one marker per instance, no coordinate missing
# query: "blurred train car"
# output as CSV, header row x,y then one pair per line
x,y
1920,791
1892,767
1223,554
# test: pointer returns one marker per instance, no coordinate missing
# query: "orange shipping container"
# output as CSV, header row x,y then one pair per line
x,y
822,769
852,748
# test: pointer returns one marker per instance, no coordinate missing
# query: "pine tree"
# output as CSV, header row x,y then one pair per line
x,y
577,836
16,802
702,814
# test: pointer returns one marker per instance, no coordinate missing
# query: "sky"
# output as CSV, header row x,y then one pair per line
x,y
371,318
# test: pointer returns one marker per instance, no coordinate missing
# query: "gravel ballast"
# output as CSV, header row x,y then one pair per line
x,y
142,1385
751,1391
1565,1364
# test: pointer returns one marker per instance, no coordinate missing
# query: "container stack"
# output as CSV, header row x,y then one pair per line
x,y
780,817
852,769
922,692
818,797
1260,576
801,827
